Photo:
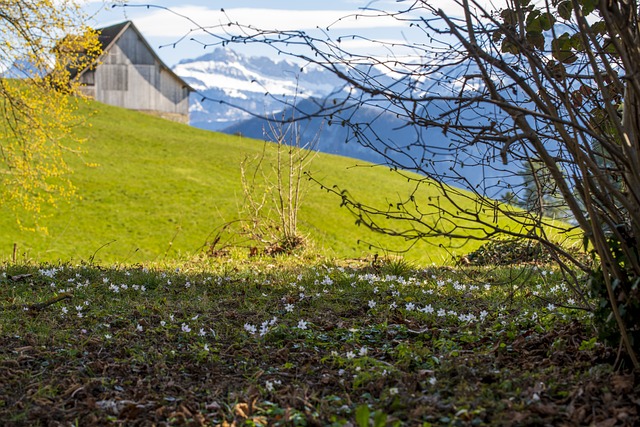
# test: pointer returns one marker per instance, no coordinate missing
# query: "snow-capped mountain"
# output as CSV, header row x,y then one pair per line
x,y
233,85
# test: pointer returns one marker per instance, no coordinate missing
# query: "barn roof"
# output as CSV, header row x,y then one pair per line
x,y
108,36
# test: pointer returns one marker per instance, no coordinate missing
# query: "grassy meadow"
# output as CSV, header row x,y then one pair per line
x,y
153,190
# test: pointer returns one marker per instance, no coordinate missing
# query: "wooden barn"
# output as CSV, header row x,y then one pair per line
x,y
129,74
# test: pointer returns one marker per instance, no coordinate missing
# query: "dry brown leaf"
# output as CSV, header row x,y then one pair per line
x,y
607,423
241,410
622,383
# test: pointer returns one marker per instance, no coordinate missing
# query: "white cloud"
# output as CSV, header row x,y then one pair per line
x,y
156,22
384,43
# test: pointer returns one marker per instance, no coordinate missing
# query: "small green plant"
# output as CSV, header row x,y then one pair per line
x,y
366,418
509,252
587,345
395,266
626,293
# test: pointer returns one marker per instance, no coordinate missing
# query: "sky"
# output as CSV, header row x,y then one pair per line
x,y
164,28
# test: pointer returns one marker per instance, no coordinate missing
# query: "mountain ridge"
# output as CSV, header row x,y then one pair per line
x,y
230,85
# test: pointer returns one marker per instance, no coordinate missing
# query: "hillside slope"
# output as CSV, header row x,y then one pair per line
x,y
160,189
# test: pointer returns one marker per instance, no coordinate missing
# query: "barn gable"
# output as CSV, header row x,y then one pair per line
x,y
129,74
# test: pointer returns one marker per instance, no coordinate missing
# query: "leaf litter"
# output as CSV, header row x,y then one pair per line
x,y
278,343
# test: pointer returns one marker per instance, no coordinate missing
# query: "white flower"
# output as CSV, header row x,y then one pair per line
x,y
65,310
202,332
269,385
264,328
250,328
393,391
302,324
409,306
350,355
162,323
427,309
441,312
289,308
551,307
363,351
139,327
186,328
372,303
432,380
107,336
206,347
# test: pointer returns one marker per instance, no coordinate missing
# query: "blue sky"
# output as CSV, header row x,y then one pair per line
x,y
161,27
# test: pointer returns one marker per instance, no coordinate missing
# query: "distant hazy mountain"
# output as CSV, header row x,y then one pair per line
x,y
331,135
394,141
22,69
254,84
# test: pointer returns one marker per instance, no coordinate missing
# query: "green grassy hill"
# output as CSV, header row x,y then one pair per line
x,y
160,189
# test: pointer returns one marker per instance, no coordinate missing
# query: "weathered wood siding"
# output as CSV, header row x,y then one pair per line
x,y
130,76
